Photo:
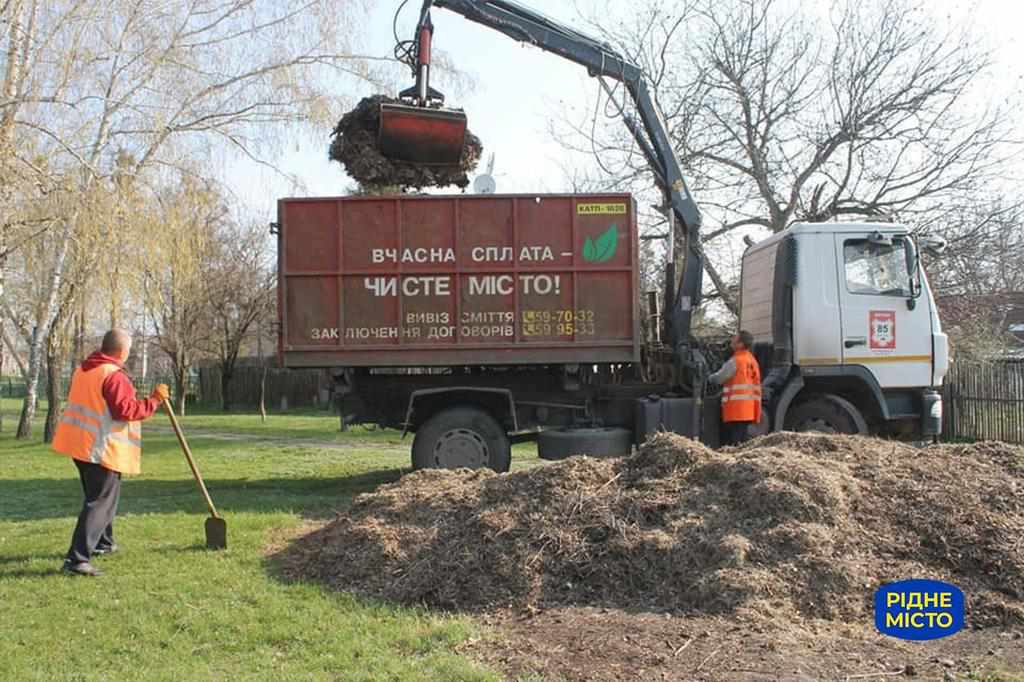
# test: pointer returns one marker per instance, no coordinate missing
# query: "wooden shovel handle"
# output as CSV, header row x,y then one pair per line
x,y
188,456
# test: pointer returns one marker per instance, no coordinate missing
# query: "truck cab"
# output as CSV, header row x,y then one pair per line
x,y
847,330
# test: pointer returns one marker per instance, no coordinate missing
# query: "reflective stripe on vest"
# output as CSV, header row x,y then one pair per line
x,y
742,387
89,433
741,395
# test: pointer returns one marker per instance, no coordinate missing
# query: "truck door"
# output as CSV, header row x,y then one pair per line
x,y
880,330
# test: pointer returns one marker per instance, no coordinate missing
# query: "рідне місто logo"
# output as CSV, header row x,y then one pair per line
x,y
919,609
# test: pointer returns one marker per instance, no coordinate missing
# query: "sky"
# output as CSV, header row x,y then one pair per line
x,y
519,88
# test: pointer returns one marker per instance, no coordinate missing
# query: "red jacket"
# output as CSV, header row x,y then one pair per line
x,y
119,392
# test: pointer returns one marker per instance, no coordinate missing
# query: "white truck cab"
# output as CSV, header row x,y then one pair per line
x,y
846,329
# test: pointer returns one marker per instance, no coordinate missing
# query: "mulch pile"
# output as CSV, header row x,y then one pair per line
x,y
789,525
354,145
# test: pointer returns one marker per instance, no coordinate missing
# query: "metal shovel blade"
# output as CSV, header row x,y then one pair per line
x,y
420,135
216,533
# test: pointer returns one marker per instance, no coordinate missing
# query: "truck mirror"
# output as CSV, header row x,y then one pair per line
x,y
914,267
933,245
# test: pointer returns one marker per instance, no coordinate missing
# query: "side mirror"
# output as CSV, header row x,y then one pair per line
x,y
914,267
935,246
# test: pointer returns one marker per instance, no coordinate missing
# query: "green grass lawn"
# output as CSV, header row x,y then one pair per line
x,y
167,609
306,424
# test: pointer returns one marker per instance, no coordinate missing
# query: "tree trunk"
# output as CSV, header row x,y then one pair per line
x,y
53,391
227,372
28,406
35,351
1,355
180,373
145,348
723,289
3,292
263,396
19,33
78,347
263,376
28,411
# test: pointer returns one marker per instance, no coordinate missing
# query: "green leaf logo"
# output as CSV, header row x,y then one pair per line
x,y
603,248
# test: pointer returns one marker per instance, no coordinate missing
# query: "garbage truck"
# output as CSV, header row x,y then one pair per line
x,y
479,321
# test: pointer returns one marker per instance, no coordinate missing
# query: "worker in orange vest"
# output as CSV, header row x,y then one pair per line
x,y
740,379
100,429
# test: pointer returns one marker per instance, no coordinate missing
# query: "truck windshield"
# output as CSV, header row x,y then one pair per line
x,y
877,269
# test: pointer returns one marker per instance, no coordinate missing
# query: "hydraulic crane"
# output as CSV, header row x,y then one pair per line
x,y
433,133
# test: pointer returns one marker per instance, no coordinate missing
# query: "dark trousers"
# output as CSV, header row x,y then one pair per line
x,y
734,433
95,527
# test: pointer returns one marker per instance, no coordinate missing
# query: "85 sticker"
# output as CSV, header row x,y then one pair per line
x,y
882,330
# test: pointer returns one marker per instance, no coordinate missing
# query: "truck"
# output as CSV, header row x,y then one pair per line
x,y
479,321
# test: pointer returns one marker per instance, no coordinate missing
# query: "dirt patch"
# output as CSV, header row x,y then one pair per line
x,y
787,527
354,145
597,645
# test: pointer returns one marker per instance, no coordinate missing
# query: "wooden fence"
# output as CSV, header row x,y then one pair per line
x,y
984,401
286,388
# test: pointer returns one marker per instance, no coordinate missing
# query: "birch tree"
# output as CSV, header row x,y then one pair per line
x,y
163,84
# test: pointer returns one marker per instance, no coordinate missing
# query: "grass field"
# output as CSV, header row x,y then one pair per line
x,y
167,609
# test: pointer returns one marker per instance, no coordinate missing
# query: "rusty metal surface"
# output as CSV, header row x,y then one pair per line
x,y
455,280
421,135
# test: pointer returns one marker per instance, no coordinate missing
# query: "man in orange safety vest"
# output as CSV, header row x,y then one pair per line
x,y
100,430
740,379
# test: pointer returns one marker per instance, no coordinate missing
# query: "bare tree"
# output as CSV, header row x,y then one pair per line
x,y
240,283
17,27
88,84
30,315
979,279
781,115
173,269
985,252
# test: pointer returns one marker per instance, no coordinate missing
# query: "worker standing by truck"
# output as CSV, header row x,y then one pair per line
x,y
100,430
740,378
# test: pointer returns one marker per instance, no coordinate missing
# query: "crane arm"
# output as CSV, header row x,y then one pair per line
x,y
602,60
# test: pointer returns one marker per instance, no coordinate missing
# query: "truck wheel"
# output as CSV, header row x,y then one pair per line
x,y
826,413
461,437
605,442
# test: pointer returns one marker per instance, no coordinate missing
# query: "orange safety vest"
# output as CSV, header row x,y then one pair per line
x,y
741,395
87,432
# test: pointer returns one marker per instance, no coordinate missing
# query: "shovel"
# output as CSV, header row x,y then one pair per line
x,y
216,528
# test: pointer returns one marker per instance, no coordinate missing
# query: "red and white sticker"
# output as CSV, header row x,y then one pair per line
x,y
882,330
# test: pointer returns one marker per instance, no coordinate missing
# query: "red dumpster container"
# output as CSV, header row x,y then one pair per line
x,y
437,281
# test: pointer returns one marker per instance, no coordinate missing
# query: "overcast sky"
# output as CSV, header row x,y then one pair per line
x,y
518,88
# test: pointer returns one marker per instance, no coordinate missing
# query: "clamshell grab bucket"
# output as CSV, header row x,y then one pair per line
x,y
422,135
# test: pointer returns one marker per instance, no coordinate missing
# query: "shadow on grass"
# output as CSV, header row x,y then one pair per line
x,y
313,497
40,573
187,549
24,558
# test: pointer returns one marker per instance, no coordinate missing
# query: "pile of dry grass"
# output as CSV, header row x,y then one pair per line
x,y
354,145
788,525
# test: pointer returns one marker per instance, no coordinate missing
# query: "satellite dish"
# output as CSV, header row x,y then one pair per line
x,y
484,184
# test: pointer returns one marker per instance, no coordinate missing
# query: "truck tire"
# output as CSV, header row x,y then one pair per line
x,y
603,442
461,437
826,413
